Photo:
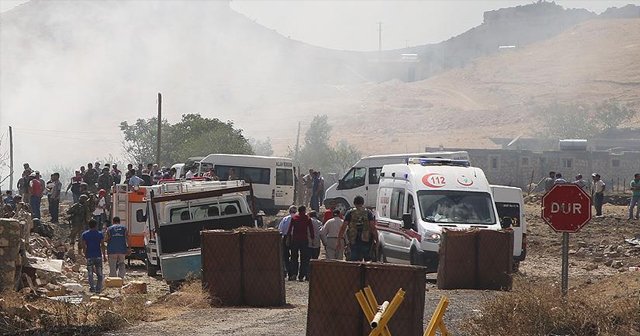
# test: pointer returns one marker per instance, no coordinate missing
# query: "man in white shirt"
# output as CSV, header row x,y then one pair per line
x,y
597,193
283,227
329,236
191,173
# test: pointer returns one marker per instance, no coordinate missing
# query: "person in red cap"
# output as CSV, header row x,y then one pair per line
x,y
101,206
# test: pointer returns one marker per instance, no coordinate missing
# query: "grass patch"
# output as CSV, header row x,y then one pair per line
x,y
537,308
41,316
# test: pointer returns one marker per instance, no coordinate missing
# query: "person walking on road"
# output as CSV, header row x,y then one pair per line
x,y
359,224
92,245
580,182
79,215
300,234
53,195
635,197
329,234
597,193
117,247
314,245
283,227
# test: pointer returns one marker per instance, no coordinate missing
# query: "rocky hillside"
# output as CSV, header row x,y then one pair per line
x,y
494,96
81,66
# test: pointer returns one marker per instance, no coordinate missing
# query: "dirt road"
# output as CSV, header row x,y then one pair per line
x,y
598,254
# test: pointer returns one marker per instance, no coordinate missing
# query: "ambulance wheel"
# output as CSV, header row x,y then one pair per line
x,y
152,270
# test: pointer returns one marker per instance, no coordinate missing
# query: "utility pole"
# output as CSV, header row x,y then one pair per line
x,y
159,127
297,142
10,158
379,36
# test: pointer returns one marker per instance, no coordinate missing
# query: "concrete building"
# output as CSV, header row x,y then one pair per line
x,y
520,167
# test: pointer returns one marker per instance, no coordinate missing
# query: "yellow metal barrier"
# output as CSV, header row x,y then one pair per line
x,y
378,315
437,322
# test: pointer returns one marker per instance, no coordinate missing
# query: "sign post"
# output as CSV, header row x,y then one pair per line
x,y
566,208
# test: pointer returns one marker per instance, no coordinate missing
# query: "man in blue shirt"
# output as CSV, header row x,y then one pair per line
x,y
117,247
92,244
283,227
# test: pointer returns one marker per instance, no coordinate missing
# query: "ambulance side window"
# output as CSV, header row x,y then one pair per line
x,y
397,204
411,208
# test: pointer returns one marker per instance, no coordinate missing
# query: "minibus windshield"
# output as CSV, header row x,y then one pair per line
x,y
462,207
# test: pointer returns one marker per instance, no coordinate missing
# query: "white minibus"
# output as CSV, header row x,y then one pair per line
x,y
272,177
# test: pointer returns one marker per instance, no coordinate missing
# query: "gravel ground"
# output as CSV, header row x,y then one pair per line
x,y
591,250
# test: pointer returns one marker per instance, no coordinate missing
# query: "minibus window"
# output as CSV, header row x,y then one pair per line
x,y
284,177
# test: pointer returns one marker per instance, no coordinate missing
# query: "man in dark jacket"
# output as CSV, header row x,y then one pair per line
x,y
300,234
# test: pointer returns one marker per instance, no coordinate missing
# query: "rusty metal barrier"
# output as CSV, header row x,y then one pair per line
x,y
243,267
385,279
262,278
222,266
458,260
333,311
495,259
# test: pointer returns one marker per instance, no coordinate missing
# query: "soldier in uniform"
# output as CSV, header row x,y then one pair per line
x,y
79,216
360,225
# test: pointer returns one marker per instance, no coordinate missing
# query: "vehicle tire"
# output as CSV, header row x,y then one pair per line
x,y
381,257
414,258
152,270
342,205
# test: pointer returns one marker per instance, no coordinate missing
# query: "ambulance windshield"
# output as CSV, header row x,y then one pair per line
x,y
462,207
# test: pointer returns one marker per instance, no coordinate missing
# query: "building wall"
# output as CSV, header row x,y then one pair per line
x,y
519,168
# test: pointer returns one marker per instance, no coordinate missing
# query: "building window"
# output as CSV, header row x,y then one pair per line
x,y
524,162
567,163
494,162
615,163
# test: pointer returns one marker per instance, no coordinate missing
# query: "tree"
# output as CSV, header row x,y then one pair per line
x,y
318,154
612,114
192,136
582,120
261,147
140,139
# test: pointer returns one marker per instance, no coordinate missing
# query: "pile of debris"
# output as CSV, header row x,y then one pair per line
x,y
609,255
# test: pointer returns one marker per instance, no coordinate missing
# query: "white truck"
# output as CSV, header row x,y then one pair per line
x,y
363,178
177,215
419,199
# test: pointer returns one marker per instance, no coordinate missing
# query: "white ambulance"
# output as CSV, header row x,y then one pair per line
x,y
363,178
419,199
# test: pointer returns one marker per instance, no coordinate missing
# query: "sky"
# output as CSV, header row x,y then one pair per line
x,y
353,25
350,25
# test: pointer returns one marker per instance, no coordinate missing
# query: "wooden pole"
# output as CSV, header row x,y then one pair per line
x,y
10,158
159,127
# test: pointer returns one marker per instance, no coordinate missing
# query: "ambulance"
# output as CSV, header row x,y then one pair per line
x,y
363,178
417,200
126,204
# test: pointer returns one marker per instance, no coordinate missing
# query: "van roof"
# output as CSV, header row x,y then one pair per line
x,y
444,155
246,156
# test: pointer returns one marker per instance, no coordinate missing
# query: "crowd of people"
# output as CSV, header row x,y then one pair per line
x,y
100,237
597,189
311,189
353,236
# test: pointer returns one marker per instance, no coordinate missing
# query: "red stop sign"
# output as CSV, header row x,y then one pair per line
x,y
566,208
